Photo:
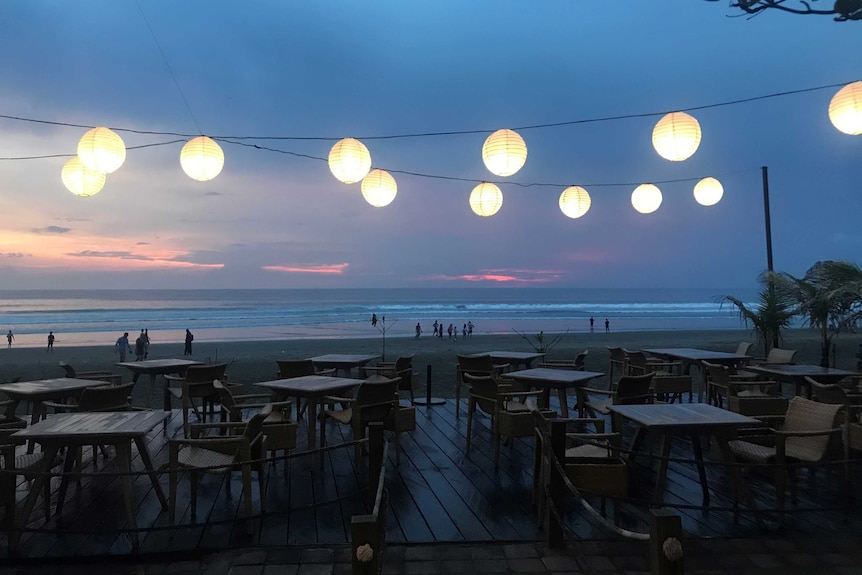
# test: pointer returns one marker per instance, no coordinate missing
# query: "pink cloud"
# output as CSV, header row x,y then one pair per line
x,y
502,276
309,269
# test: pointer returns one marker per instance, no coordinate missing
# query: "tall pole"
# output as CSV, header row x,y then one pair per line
x,y
765,171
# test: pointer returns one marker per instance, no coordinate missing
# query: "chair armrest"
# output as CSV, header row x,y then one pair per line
x,y
60,406
589,390
197,428
245,396
334,399
169,377
209,442
510,394
785,434
330,371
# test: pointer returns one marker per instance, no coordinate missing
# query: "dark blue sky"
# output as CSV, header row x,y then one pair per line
x,y
340,68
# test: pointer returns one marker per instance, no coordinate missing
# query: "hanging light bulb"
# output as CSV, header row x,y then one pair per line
x,y
504,152
202,159
646,198
708,192
676,136
379,188
349,160
845,109
575,201
81,181
101,149
486,199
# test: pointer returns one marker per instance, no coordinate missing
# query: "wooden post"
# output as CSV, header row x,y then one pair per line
x,y
664,524
554,535
375,458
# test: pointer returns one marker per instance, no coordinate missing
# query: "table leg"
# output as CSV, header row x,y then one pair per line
x,y
546,398
737,483
564,399
311,415
148,465
72,452
36,407
701,470
124,462
661,476
49,455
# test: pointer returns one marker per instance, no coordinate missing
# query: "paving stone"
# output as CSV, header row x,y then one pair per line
x,y
246,570
421,568
490,565
456,566
848,570
452,552
345,554
487,551
315,569
520,551
527,565
839,559
251,557
420,553
342,569
765,561
561,563
283,569
316,555
283,555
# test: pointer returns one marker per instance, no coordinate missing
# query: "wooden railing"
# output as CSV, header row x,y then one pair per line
x,y
368,532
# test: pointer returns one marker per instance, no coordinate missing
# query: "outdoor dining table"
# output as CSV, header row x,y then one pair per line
x,y
689,356
560,379
796,374
74,430
515,358
154,368
692,420
312,388
37,392
342,361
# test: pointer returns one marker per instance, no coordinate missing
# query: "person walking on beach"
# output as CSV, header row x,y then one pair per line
x,y
435,328
9,338
50,342
374,320
607,325
139,347
122,346
592,320
449,331
418,329
146,343
189,339
464,331
469,328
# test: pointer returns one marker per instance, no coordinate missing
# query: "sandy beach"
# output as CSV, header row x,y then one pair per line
x,y
254,361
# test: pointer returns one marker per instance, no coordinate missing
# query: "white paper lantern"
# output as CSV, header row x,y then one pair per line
x,y
646,198
379,188
486,199
504,152
349,160
575,201
676,136
845,109
102,149
708,192
202,159
80,180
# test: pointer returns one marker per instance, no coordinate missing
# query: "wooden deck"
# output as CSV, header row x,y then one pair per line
x,y
437,493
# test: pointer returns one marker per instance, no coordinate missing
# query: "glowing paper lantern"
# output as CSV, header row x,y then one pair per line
x,y
575,201
486,199
646,198
202,159
80,180
379,188
845,109
101,149
676,136
349,160
708,192
504,152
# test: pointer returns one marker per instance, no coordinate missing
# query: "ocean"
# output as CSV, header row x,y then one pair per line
x,y
98,317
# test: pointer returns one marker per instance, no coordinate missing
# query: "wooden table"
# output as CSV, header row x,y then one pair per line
x,y
342,361
561,379
795,374
690,356
36,392
692,420
74,430
515,358
312,388
154,368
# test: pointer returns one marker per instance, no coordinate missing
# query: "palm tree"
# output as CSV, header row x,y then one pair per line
x,y
828,297
772,314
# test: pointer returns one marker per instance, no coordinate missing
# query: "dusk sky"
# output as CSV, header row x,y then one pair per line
x,y
338,68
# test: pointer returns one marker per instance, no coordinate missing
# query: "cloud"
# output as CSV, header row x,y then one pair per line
x,y
15,255
142,244
140,260
309,269
212,194
51,230
74,219
502,276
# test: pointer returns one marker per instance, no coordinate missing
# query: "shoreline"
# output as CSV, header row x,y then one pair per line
x,y
254,361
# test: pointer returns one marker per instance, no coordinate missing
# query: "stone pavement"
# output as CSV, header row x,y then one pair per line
x,y
838,554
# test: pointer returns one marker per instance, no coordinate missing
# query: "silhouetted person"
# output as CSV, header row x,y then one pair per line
x,y
189,339
435,328
592,321
139,347
122,346
607,325
146,343
418,329
50,342
469,328
374,320
10,337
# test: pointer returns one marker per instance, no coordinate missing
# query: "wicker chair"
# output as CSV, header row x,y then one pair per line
x,y
401,368
617,361
509,418
290,368
630,390
639,364
106,376
776,356
23,463
805,437
476,365
375,399
743,395
219,454
670,388
279,428
577,364
196,383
